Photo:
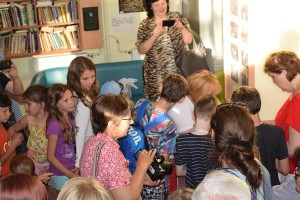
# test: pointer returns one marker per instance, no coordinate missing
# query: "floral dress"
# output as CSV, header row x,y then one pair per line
x,y
37,146
160,59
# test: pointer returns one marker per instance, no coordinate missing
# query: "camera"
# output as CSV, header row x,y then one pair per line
x,y
5,64
159,168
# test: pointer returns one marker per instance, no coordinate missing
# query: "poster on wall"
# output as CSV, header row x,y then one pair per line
x,y
128,6
238,72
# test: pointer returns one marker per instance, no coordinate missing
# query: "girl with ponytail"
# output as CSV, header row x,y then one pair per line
x,y
233,136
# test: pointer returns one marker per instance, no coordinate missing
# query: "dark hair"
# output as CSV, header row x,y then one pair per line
x,y
233,126
248,96
297,155
21,164
283,60
55,93
78,66
36,93
4,101
147,5
205,107
174,88
106,108
22,186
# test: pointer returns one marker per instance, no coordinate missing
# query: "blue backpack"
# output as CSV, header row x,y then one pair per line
x,y
135,139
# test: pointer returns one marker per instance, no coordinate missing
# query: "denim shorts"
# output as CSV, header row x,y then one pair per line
x,y
58,181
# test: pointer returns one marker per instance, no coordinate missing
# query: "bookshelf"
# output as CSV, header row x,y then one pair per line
x,y
34,27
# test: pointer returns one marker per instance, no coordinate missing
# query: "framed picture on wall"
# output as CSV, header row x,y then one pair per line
x,y
127,6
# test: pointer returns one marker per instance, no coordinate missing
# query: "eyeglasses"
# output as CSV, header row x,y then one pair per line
x,y
129,119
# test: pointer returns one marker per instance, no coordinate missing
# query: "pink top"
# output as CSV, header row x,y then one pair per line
x,y
113,168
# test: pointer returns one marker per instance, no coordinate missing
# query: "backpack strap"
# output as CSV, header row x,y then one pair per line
x,y
141,111
155,122
96,159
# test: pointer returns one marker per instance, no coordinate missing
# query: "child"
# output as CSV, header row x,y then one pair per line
x,y
163,136
113,87
81,188
22,186
192,149
22,164
61,135
7,145
269,138
81,79
35,98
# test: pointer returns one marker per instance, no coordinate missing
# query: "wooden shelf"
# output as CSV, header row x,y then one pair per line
x,y
44,36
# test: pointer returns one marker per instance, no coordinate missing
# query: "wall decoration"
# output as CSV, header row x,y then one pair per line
x,y
238,71
127,6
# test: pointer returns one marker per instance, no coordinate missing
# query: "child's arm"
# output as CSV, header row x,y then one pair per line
x,y
52,142
180,170
18,126
16,141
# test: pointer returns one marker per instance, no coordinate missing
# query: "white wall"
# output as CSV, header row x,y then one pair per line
x,y
273,25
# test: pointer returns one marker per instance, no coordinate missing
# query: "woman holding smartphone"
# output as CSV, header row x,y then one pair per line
x,y
162,42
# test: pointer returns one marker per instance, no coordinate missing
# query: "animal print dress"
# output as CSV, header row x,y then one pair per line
x,y
160,59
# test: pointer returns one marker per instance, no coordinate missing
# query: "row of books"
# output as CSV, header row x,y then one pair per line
x,y
57,14
17,15
20,42
60,11
59,38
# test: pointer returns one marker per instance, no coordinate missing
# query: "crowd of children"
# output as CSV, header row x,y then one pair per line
x,y
73,145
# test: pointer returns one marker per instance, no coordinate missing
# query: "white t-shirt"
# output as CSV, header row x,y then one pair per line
x,y
182,114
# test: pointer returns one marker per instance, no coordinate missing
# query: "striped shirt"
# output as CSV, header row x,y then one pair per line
x,y
193,151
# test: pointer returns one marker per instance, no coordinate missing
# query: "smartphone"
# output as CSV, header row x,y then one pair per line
x,y
5,64
168,23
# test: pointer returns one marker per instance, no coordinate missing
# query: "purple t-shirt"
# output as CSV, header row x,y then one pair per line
x,y
64,152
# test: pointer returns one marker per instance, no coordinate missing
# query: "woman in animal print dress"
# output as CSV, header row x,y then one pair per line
x,y
161,44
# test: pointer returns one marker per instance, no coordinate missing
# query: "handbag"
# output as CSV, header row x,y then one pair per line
x,y
96,160
197,58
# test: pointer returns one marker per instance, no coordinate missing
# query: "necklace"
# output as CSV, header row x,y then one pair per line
x,y
200,131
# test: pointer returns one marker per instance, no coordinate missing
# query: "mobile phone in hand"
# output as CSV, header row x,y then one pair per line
x,y
5,64
168,23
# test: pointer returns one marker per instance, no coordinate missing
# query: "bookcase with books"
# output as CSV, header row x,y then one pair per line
x,y
32,27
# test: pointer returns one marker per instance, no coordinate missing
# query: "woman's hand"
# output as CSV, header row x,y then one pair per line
x,y
149,182
159,30
13,71
178,24
145,159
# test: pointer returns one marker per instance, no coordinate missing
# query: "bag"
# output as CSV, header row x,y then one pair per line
x,y
135,139
195,59
96,160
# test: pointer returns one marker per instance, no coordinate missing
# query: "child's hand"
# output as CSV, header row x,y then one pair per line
x,y
145,159
76,170
45,177
17,139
